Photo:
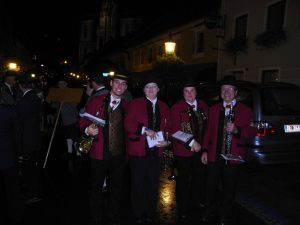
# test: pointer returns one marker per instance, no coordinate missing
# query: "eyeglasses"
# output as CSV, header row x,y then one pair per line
x,y
151,86
228,89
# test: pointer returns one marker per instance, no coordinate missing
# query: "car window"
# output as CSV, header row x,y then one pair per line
x,y
245,96
280,101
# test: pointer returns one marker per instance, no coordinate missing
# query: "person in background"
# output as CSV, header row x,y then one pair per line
x,y
97,83
146,116
216,144
29,144
108,153
94,87
69,116
189,115
11,203
8,89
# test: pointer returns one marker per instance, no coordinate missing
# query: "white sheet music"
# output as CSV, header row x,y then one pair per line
x,y
93,119
153,142
182,136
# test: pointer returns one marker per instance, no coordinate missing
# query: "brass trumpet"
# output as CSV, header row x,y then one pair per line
x,y
85,145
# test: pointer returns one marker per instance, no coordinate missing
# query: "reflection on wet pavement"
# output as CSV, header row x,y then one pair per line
x,y
167,200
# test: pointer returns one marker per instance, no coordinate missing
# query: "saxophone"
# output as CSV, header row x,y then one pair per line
x,y
85,145
228,140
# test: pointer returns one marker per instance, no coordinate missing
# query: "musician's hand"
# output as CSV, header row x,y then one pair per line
x,y
196,147
151,133
92,130
204,158
231,128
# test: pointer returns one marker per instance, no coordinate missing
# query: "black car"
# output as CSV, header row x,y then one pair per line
x,y
276,108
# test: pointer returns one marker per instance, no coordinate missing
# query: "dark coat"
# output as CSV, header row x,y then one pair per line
x,y
8,98
137,117
29,114
86,98
98,104
8,121
179,112
242,119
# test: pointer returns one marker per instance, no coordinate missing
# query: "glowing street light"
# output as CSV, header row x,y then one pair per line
x,y
170,48
13,66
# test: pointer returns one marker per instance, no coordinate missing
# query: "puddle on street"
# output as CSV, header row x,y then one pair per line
x,y
167,200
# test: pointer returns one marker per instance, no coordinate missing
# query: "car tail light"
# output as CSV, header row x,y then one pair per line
x,y
263,128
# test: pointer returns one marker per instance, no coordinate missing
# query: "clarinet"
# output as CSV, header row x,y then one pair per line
x,y
229,135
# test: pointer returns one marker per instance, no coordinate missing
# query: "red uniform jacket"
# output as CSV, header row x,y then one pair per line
x,y
96,105
179,113
136,117
243,117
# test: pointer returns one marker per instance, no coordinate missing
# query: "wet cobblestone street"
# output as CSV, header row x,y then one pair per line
x,y
66,197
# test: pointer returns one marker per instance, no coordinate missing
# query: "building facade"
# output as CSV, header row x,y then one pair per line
x,y
260,41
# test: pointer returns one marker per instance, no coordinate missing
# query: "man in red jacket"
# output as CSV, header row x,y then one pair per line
x,y
225,135
189,115
145,118
108,150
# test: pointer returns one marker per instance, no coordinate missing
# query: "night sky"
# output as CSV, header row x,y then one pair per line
x,y
51,27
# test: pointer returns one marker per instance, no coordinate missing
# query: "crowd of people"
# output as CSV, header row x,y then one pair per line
x,y
134,131
20,145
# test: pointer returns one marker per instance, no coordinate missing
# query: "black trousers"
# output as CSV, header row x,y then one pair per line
x,y
112,168
228,176
144,184
190,183
11,203
31,174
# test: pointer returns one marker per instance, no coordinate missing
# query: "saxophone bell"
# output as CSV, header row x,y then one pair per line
x,y
85,144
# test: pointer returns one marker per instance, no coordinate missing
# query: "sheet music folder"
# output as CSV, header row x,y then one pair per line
x,y
182,136
93,119
154,141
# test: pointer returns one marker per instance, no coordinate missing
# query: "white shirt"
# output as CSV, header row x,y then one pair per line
x,y
153,103
9,88
114,102
233,102
25,92
193,103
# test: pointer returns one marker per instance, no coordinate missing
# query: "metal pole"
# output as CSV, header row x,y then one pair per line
x,y
52,136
